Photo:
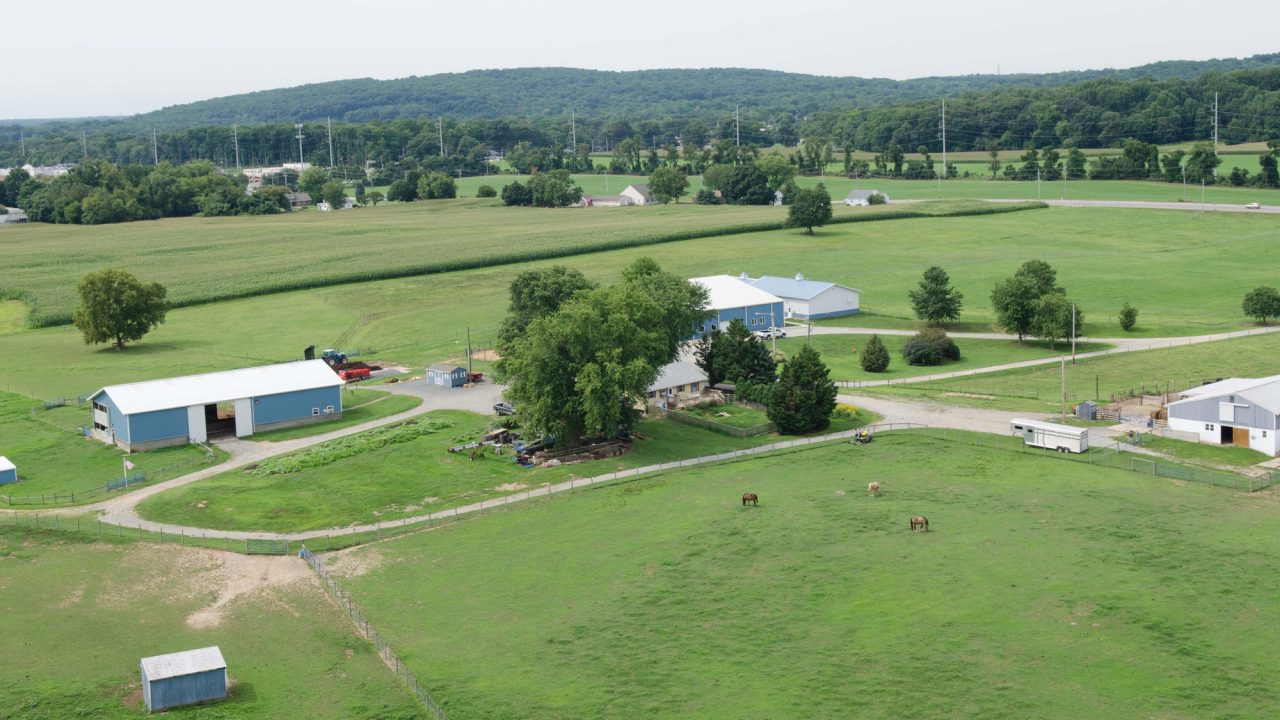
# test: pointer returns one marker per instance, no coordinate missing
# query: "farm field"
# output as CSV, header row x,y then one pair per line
x,y
412,478
1045,589
838,353
1039,388
1185,273
54,458
77,616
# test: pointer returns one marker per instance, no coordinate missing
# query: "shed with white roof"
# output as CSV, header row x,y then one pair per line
x,y
183,678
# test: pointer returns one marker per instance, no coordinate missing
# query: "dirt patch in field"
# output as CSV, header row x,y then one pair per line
x,y
978,396
354,562
510,487
484,355
238,575
176,574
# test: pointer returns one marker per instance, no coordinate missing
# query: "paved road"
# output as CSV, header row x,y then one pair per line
x,y
1149,205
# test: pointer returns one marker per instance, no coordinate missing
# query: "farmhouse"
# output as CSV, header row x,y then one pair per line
x,y
809,299
446,375
1237,411
8,472
156,413
730,299
636,195
298,199
183,678
862,198
677,381
13,216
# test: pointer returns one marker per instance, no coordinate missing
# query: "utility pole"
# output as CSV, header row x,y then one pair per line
x,y
299,136
1073,333
573,128
944,138
329,126
737,135
22,140
1037,183
440,130
155,149
468,349
235,140
1064,387
1215,131
1184,183
84,142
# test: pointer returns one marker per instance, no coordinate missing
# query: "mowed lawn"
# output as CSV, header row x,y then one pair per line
x,y
1044,589
412,478
1186,273
843,354
78,616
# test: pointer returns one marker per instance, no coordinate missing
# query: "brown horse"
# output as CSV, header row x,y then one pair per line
x,y
919,521
873,489
750,498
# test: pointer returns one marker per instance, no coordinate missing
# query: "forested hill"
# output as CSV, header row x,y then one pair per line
x,y
636,95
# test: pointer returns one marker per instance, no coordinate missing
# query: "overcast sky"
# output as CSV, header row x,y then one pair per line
x,y
67,58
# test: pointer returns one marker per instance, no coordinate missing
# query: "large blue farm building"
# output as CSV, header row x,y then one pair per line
x,y
732,299
156,413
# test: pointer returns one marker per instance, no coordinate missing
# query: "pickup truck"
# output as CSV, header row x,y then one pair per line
x,y
772,332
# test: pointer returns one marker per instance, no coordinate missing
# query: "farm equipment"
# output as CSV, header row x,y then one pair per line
x,y
334,357
355,374
475,377
862,437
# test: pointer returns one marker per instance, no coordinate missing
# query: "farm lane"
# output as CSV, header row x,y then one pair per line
x,y
935,414
1148,205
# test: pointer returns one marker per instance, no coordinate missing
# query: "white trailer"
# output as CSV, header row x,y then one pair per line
x,y
1063,438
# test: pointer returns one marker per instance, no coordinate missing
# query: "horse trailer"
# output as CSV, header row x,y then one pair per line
x,y
1063,438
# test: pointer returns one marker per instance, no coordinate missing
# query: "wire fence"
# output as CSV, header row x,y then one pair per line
x,y
78,496
389,656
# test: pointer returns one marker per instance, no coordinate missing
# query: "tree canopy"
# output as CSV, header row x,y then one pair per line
x,y
1261,303
535,294
735,355
804,396
809,208
934,300
116,307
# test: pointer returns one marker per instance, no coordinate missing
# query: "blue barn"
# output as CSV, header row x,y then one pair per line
x,y
732,299
8,472
183,678
156,413
446,375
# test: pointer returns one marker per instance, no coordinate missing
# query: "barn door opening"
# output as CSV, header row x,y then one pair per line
x,y
1224,434
220,418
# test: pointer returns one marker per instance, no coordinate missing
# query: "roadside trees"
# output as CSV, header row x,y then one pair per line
x,y
116,307
934,300
1014,300
1262,303
668,183
1128,316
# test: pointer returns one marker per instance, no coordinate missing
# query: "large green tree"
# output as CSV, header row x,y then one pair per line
x,y
535,294
804,396
934,300
116,307
1261,303
735,354
746,185
1052,319
668,183
1014,303
809,208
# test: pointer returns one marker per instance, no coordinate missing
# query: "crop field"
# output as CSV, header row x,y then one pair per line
x,y
1174,368
77,616
1186,274
1044,589
412,478
843,354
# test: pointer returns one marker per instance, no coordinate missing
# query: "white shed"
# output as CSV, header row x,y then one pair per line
x,y
183,678
862,198
809,299
637,194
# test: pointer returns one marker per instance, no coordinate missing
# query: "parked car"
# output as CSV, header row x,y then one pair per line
x,y
1253,206
504,408
772,332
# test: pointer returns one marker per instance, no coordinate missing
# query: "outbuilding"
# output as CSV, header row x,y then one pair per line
x,y
731,299
183,678
156,413
446,375
1236,411
637,194
809,299
8,471
862,198
677,382
298,199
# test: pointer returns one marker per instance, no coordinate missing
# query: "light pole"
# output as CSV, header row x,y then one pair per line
x,y
298,126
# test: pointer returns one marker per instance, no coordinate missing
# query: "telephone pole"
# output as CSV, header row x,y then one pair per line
x,y
235,140
944,136
298,126
573,129
440,130
155,149
1215,131
22,140
737,135
329,126
84,142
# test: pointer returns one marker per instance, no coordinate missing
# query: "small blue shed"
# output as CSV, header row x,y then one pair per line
x,y
183,678
446,375
8,473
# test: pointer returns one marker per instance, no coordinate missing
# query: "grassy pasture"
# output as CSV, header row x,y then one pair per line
x,y
1185,272
358,406
1045,589
411,478
76,617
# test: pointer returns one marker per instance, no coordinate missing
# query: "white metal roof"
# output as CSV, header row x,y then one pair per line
x,y
1263,392
725,292
676,374
1052,427
219,387
187,662
6,464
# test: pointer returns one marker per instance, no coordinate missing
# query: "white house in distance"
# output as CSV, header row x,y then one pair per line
x,y
1237,411
637,194
806,299
731,299
862,198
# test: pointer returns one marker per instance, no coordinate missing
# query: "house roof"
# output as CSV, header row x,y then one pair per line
x,y
725,292
677,373
298,197
445,367
219,387
187,662
1263,392
861,194
799,287
641,188
6,464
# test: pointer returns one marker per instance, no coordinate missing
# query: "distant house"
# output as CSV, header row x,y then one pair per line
x,y
298,199
600,201
637,194
809,299
1244,412
677,382
447,375
324,205
862,198
732,299
13,216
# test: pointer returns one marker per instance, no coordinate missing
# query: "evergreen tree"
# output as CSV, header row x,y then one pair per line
x,y
1128,316
804,396
875,357
936,301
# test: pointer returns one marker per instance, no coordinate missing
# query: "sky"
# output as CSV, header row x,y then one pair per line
x,y
90,57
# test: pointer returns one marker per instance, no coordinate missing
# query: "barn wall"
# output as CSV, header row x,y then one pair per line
x,y
8,476
158,425
284,407
834,302
764,316
187,689
1205,410
115,418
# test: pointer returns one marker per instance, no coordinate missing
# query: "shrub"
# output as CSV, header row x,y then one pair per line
x,y
845,411
876,199
486,191
930,347
875,357
706,196
516,194
1128,316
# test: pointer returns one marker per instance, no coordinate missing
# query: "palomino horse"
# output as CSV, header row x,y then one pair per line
x,y
873,489
750,498
919,521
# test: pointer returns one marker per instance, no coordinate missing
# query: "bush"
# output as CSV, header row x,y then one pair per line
x,y
756,392
845,411
875,357
706,196
930,347
486,191
1128,316
516,194
876,199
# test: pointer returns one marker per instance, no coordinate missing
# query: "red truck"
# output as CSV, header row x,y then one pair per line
x,y
354,374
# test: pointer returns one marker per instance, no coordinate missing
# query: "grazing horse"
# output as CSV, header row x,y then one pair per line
x,y
873,489
919,521
750,498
